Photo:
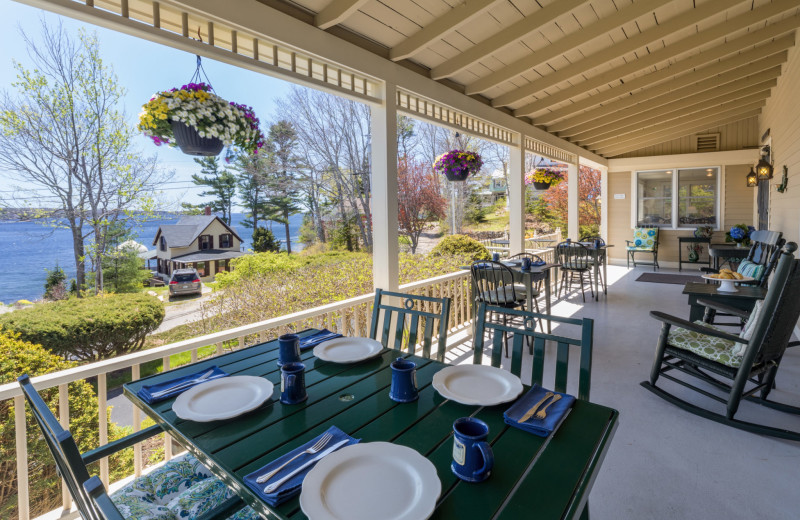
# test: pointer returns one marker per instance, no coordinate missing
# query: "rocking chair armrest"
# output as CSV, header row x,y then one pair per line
x,y
734,311
793,344
688,325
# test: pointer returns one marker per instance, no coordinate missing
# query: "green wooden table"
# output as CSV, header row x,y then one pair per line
x,y
546,478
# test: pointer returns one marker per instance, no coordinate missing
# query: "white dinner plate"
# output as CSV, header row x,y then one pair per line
x,y
222,398
477,384
370,481
347,350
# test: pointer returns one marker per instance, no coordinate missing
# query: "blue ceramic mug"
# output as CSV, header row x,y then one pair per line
x,y
472,456
404,381
293,383
495,257
288,349
526,263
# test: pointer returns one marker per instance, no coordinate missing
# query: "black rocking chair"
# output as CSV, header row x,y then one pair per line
x,y
708,354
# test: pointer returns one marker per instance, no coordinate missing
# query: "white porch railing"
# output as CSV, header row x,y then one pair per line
x,y
349,317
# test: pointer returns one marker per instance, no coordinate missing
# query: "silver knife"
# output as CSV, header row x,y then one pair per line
x,y
275,485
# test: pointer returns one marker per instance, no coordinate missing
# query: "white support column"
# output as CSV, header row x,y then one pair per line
x,y
385,250
604,203
572,200
516,196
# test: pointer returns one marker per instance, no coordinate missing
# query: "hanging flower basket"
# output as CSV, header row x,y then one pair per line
x,y
457,165
200,122
543,178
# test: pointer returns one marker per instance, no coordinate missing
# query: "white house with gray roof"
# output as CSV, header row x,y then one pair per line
x,y
202,242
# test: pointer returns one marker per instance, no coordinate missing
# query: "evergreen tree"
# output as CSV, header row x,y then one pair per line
x,y
282,180
251,179
221,183
264,241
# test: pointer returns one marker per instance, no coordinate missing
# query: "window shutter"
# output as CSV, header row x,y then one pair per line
x,y
707,143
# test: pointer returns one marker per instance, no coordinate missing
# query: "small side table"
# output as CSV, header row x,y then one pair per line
x,y
693,240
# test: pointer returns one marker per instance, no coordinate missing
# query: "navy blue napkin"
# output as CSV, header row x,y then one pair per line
x,y
293,486
538,263
146,392
317,338
546,426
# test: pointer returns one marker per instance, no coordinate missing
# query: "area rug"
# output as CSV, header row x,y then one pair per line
x,y
677,279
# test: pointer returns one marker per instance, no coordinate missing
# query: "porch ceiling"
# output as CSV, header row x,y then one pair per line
x,y
608,75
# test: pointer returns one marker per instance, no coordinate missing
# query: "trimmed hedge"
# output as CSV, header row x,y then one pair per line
x,y
20,357
461,245
91,328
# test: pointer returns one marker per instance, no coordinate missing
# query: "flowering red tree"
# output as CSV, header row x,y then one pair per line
x,y
418,199
588,200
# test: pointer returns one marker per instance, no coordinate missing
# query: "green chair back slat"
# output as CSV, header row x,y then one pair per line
x,y
562,366
101,501
417,308
563,346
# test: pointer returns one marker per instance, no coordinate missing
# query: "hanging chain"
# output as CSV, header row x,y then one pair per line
x,y
199,72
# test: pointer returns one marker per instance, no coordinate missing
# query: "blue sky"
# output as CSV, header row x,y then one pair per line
x,y
143,68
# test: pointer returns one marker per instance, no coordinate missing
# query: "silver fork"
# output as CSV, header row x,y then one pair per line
x,y
189,383
325,439
541,413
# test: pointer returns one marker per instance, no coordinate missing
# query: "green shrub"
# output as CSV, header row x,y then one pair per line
x,y
54,285
92,328
260,264
21,357
461,245
264,241
123,272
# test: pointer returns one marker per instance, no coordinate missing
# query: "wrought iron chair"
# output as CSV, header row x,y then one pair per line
x,y
71,466
574,258
421,313
713,356
537,289
600,258
494,284
583,341
645,240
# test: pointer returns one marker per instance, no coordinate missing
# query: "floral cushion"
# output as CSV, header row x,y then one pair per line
x,y
716,349
199,499
644,239
165,483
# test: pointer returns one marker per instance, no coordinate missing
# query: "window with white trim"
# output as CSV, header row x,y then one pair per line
x,y
682,198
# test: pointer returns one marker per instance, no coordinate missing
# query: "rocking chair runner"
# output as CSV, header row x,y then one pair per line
x,y
707,353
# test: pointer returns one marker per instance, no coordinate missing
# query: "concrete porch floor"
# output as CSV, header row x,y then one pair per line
x,y
664,462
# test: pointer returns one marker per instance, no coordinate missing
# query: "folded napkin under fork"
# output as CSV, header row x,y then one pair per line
x,y
318,337
540,427
161,391
293,486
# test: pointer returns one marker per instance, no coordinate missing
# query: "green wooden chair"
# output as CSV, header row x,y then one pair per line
x,y
583,341
739,366
154,495
574,259
402,325
645,240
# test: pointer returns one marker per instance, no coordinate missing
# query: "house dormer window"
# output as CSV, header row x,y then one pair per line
x,y
206,242
225,240
163,244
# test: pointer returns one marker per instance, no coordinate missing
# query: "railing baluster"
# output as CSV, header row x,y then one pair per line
x,y
194,355
241,342
21,440
167,438
219,348
137,420
63,418
102,390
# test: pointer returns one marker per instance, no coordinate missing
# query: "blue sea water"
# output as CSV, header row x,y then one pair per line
x,y
30,248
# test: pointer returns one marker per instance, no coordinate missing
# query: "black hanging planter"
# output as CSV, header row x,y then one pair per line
x,y
458,176
541,186
190,142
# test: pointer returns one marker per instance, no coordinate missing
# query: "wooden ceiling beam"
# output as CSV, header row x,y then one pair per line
x,y
448,22
621,88
673,90
685,132
680,129
639,41
668,53
509,35
557,48
729,92
336,12
658,124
